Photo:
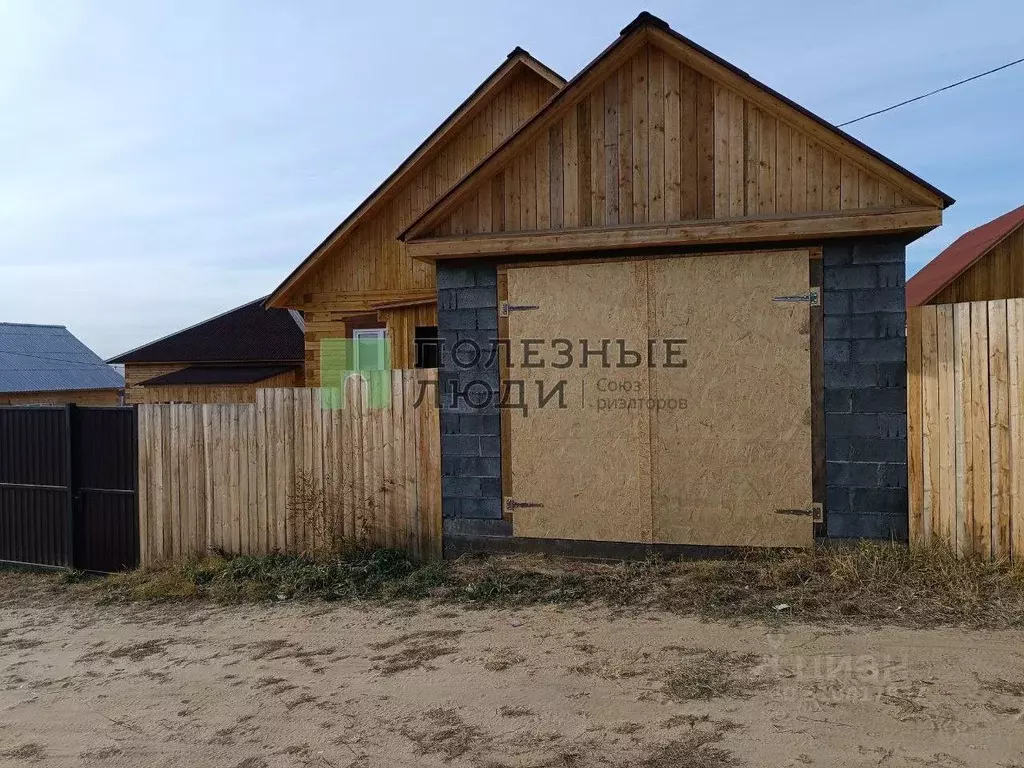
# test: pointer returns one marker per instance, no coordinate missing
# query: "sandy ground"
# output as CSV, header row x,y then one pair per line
x,y
325,685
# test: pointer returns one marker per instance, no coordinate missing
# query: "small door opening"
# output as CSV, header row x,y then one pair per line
x,y
427,346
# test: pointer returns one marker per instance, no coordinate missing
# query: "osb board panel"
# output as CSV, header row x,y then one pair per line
x,y
371,258
738,445
589,468
658,141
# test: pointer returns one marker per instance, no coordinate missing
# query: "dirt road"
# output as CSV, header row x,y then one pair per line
x,y
343,686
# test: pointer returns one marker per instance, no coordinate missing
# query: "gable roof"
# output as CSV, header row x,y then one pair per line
x,y
960,256
646,28
517,60
248,333
48,358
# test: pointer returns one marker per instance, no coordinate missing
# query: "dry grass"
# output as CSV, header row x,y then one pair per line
x,y
872,583
711,674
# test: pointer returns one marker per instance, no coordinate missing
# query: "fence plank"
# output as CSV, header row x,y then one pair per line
x,y
930,419
961,405
947,425
915,445
981,524
999,424
1015,348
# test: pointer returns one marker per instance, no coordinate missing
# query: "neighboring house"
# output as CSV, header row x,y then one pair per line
x,y
984,264
46,365
663,194
220,360
359,281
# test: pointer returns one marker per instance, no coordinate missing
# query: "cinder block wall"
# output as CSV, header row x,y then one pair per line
x,y
865,353
467,309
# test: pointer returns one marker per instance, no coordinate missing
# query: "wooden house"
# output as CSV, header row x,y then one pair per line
x,y
220,360
360,281
981,265
700,285
47,365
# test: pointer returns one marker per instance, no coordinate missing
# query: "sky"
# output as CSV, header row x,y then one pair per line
x,y
167,160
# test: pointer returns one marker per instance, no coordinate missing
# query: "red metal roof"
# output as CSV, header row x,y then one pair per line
x,y
958,257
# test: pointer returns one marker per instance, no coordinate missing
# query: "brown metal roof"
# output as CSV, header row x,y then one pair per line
x,y
248,334
958,257
218,374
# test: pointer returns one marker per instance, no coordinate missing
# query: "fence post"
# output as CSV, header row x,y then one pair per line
x,y
69,421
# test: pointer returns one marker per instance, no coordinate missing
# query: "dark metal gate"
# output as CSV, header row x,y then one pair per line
x,y
68,487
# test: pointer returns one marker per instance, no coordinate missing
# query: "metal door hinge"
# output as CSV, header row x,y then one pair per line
x,y
812,297
505,308
511,505
816,512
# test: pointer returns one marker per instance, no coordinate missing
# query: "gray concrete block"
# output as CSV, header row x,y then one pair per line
x,y
881,449
480,424
851,425
450,507
487,319
486,274
877,300
838,400
836,351
490,487
460,445
892,424
837,254
845,525
490,446
478,467
456,319
891,501
851,327
455,277
891,375
475,298
850,375
876,400
850,474
891,325
892,275
848,278
892,475
879,350
878,252
460,487
481,508
837,499
895,527
836,302
477,527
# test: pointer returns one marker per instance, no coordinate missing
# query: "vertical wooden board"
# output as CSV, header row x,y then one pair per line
x,y
930,420
380,452
557,202
947,424
233,538
315,447
167,511
584,190
656,114
672,152
783,169
428,435
754,435
766,167
285,436
751,157
571,459
369,513
250,520
999,427
513,212
348,462
174,480
687,144
625,169
399,481
961,407
915,437
814,200
641,139
737,152
598,194
611,150
1015,354
798,173
981,523
723,168
387,481
831,184
542,160
208,450
570,171
405,460
528,188
849,185
194,452
259,457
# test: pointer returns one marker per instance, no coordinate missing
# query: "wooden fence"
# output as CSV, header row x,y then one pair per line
x,y
280,473
966,425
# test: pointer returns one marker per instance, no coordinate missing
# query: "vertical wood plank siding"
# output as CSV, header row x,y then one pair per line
x,y
658,141
966,426
227,476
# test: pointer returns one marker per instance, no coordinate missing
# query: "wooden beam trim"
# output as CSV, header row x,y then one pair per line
x,y
726,231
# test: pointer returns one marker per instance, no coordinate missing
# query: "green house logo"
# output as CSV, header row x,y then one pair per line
x,y
364,361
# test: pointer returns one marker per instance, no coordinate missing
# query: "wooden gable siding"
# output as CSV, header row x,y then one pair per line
x,y
658,141
999,274
370,265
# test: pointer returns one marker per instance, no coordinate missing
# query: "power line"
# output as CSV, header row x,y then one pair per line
x,y
932,93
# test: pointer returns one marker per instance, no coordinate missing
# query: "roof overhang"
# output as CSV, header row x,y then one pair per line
x,y
911,222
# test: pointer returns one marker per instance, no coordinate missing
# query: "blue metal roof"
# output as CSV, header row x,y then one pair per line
x,y
47,358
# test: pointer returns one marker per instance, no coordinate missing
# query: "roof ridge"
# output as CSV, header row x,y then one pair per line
x,y
33,325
